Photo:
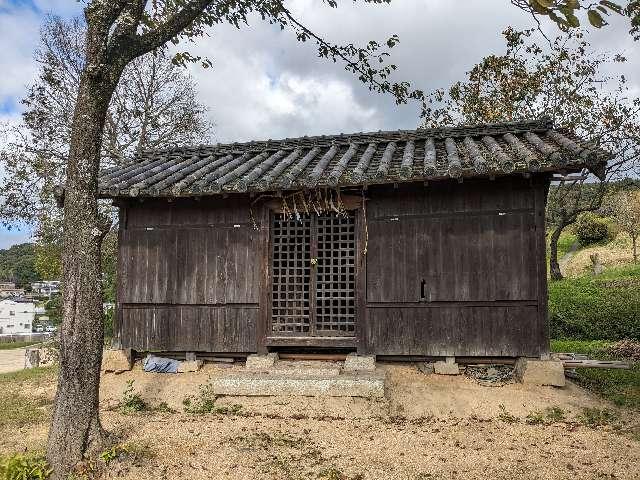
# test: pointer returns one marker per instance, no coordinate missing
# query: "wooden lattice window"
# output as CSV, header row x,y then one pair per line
x,y
336,274
291,272
314,271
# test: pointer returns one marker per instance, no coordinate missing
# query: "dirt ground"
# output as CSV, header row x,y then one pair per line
x,y
11,360
427,427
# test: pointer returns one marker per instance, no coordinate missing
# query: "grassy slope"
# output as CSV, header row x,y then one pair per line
x,y
605,306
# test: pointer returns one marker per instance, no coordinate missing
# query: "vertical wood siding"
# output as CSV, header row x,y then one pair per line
x,y
189,276
454,269
450,269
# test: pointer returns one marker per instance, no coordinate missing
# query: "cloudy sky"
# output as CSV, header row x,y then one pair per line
x,y
266,85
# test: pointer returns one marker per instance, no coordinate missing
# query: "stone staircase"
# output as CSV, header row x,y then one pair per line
x,y
267,375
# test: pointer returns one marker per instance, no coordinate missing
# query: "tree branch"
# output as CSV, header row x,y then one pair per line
x,y
157,37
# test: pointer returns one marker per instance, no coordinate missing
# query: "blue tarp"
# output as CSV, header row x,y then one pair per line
x,y
155,364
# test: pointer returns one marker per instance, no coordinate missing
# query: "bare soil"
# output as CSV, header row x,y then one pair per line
x,y
428,427
11,360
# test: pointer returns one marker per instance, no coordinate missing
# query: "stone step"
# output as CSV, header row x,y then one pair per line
x,y
298,368
370,385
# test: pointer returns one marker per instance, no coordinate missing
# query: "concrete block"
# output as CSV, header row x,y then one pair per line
x,y
261,362
359,363
446,368
540,372
32,358
190,366
116,361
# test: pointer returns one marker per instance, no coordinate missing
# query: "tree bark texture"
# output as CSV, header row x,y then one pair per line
x,y
75,426
554,265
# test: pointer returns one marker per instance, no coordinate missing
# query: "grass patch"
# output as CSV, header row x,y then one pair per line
x,y
17,410
596,348
602,307
547,416
565,242
596,417
622,387
13,345
30,375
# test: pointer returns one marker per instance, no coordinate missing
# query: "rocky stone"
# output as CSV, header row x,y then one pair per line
x,y
116,361
261,362
540,372
446,368
31,358
359,363
190,366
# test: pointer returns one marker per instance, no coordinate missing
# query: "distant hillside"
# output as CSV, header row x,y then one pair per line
x,y
17,264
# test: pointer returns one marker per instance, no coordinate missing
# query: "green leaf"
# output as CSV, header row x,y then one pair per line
x,y
574,4
595,19
538,7
573,20
544,3
611,5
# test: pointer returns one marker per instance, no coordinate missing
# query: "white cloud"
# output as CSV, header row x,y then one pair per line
x,y
20,31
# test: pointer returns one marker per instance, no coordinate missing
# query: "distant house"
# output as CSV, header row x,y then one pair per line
x,y
9,289
16,317
48,287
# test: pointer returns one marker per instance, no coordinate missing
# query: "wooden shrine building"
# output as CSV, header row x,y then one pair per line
x,y
401,243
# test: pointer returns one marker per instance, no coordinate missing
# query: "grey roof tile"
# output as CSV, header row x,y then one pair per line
x,y
354,159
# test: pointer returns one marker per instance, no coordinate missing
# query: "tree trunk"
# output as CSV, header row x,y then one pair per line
x,y
75,427
554,266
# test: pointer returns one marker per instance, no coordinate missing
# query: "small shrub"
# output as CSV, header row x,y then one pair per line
x,y
163,407
505,416
205,402
24,467
131,451
555,414
131,400
535,418
591,229
547,416
596,417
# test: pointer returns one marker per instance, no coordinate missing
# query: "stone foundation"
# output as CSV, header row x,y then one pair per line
x,y
540,372
116,361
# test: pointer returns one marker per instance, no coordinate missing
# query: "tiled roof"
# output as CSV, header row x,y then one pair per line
x,y
353,159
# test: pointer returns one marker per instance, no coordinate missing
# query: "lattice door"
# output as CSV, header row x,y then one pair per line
x,y
336,275
314,271
291,256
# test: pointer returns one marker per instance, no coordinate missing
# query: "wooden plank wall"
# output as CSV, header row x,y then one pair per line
x,y
189,276
455,269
